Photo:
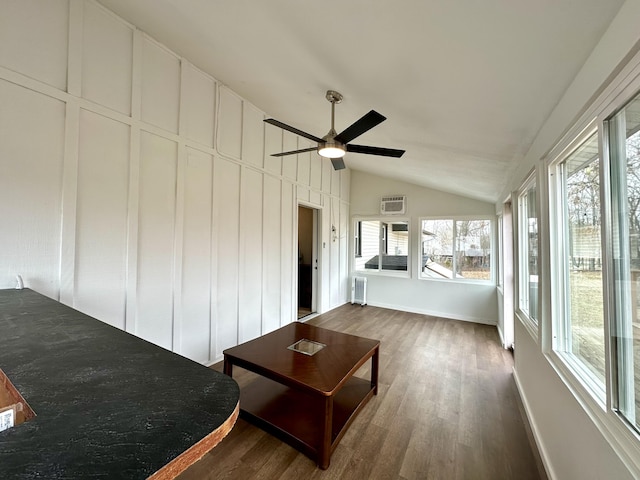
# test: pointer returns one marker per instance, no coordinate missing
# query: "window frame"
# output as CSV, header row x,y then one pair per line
x,y
384,221
522,276
614,95
621,319
500,251
492,219
559,246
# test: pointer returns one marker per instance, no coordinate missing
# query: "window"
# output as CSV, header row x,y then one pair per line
x,y
528,252
383,245
594,263
624,141
579,299
456,249
358,239
500,256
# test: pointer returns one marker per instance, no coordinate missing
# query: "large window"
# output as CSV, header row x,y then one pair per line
x,y
381,245
528,251
580,309
592,335
500,255
456,249
624,141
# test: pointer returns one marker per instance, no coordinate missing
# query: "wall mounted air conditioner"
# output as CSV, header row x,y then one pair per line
x,y
393,205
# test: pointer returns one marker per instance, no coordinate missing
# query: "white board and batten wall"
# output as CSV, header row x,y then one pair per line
x,y
139,190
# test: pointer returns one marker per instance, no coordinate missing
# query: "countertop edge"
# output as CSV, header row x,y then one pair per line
x,y
190,456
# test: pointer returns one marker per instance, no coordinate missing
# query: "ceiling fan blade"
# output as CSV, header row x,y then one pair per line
x,y
385,152
338,163
367,122
292,152
291,129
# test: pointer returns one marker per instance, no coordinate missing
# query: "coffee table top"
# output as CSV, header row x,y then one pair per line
x,y
323,372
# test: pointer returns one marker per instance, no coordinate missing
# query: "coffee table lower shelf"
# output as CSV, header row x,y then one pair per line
x,y
297,417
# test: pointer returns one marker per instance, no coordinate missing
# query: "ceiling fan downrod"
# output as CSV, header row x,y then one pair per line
x,y
333,97
330,147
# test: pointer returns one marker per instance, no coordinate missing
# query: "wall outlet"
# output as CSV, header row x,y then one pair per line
x,y
6,419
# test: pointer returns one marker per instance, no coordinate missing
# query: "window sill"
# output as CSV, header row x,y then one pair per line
x,y
459,280
529,325
383,273
623,439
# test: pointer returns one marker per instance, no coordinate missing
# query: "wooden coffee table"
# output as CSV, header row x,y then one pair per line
x,y
306,400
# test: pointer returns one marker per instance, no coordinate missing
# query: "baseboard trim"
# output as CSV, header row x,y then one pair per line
x,y
433,313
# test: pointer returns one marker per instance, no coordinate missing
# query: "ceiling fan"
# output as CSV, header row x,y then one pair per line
x,y
334,145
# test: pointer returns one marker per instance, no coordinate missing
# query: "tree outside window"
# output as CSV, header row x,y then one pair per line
x,y
456,249
581,333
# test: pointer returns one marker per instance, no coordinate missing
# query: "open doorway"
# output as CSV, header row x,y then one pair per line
x,y
307,260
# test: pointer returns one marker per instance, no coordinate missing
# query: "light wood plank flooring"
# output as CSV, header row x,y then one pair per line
x,y
447,408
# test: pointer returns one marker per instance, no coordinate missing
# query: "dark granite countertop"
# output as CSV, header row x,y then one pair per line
x,y
107,404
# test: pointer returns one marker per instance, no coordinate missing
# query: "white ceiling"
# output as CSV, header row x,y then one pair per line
x,y
465,84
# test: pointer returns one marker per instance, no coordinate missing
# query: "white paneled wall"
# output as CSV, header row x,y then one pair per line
x,y
250,311
160,90
102,202
106,72
195,291
271,252
41,31
31,166
198,105
156,239
226,253
229,138
136,188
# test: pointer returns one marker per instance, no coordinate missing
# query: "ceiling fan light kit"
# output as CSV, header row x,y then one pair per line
x,y
334,145
332,150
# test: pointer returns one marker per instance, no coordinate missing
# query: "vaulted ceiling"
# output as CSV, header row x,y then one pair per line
x,y
465,84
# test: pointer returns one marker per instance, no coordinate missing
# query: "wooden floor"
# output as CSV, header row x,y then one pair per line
x,y
447,408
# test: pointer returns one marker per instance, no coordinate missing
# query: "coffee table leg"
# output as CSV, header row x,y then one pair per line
x,y
228,367
324,455
374,371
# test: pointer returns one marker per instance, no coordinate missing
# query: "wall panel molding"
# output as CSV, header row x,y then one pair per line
x,y
203,155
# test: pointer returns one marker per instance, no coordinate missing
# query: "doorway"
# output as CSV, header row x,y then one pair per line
x,y
307,260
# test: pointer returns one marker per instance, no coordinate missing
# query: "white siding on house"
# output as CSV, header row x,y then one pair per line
x,y
397,243
369,242
136,188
